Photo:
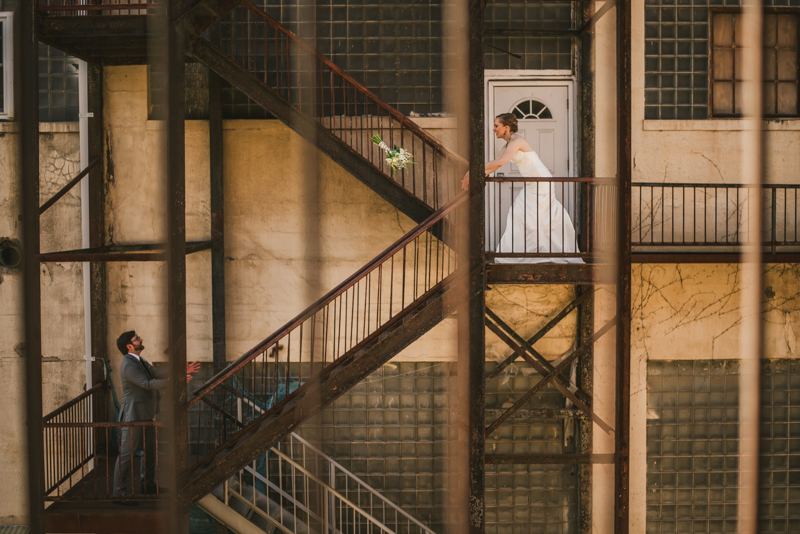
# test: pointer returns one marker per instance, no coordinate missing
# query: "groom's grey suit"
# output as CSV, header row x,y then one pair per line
x,y
140,382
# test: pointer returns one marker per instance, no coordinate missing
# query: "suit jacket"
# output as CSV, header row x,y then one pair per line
x,y
140,384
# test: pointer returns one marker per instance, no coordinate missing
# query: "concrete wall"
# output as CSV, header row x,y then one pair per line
x,y
62,302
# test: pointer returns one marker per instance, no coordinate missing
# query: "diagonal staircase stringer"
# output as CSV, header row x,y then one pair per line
x,y
337,380
202,51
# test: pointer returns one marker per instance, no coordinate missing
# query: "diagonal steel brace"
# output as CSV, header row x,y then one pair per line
x,y
542,332
565,362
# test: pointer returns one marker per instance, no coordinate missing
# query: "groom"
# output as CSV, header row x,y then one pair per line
x,y
140,384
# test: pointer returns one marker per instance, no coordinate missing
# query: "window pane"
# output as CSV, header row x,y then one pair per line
x,y
787,65
738,92
770,55
787,98
723,29
723,98
770,22
787,31
770,104
723,64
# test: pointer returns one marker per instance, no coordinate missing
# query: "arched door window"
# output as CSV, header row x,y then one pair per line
x,y
531,109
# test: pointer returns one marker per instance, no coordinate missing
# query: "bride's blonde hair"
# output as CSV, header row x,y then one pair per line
x,y
510,120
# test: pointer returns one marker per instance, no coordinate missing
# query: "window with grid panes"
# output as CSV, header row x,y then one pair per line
x,y
780,63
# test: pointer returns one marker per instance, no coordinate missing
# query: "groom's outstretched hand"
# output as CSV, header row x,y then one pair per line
x,y
465,182
191,368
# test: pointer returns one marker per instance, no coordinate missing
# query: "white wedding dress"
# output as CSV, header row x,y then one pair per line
x,y
537,222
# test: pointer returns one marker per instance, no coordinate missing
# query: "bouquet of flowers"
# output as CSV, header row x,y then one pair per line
x,y
397,157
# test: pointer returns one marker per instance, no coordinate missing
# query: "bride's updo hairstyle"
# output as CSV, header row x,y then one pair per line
x,y
510,120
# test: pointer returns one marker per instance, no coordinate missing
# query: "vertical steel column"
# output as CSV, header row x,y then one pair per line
x,y
28,111
97,226
751,330
623,364
586,384
217,219
477,259
178,518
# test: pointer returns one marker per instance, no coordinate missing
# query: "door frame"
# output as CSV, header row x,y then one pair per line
x,y
494,78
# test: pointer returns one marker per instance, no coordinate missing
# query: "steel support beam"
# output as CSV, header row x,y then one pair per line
x,y
623,344
475,316
97,183
586,428
177,463
217,219
27,86
542,273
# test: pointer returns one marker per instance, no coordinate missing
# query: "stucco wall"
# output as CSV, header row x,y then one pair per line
x,y
62,302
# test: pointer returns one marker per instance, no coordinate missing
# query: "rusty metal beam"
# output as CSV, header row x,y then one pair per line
x,y
217,219
72,183
27,86
177,456
543,273
97,208
565,362
519,459
532,356
542,331
559,382
623,341
475,507
586,429
541,413
109,253
597,16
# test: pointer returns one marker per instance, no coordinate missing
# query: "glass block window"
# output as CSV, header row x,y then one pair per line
x,y
780,64
676,59
692,446
530,497
536,53
58,85
780,447
677,50
6,69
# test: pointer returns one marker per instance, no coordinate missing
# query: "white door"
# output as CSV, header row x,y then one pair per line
x,y
542,109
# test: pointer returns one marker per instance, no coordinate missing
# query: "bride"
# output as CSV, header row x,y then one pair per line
x,y
536,222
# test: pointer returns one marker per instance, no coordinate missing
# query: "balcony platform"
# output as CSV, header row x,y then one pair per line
x,y
104,40
93,510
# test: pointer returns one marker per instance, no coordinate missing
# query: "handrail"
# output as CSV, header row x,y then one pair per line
x,y
399,117
64,190
73,402
332,294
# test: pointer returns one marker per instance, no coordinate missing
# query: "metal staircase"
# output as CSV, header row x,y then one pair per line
x,y
329,108
296,488
316,357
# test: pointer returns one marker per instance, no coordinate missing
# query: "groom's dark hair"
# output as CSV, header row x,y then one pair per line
x,y
125,339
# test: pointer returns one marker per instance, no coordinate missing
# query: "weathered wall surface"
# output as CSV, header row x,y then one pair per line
x,y
62,302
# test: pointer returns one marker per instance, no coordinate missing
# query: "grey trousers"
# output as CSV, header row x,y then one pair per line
x,y
132,439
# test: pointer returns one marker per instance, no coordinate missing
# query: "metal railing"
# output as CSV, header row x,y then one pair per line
x,y
373,300
297,488
713,215
80,452
82,8
544,219
314,85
